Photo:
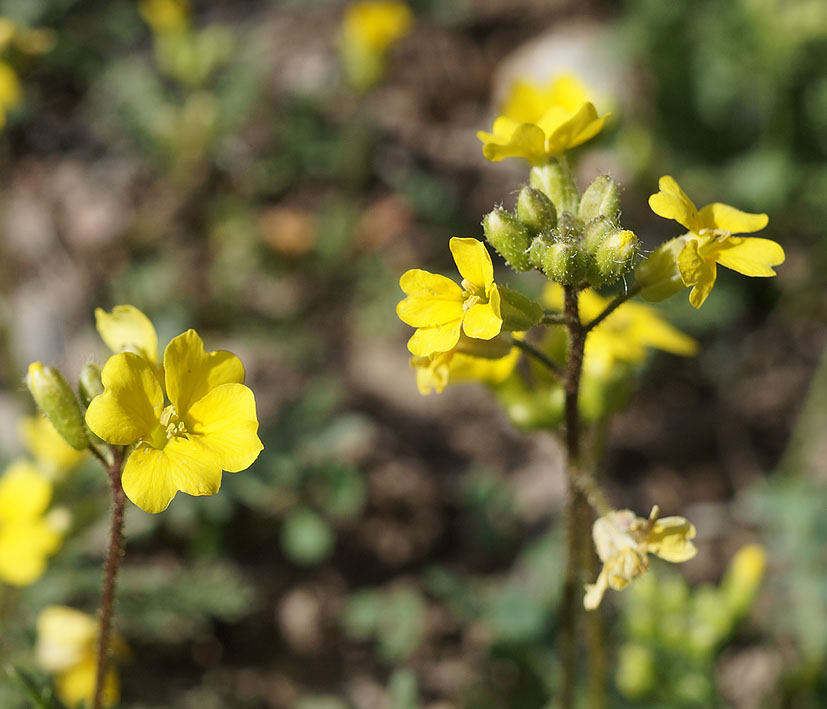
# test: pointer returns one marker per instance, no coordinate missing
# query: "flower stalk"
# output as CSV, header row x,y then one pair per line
x,y
111,568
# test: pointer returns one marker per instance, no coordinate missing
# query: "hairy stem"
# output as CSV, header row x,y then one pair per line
x,y
113,558
577,507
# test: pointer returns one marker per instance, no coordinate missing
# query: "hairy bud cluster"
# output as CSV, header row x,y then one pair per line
x,y
569,237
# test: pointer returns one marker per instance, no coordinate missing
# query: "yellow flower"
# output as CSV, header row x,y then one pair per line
x,y
53,455
539,123
209,425
27,538
440,309
11,93
623,541
435,372
625,335
710,240
127,329
67,648
165,16
376,25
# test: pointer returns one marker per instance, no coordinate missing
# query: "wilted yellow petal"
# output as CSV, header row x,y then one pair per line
x,y
750,256
131,403
127,329
224,421
473,261
191,372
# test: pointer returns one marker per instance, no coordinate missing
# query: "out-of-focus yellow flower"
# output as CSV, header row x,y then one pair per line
x,y
440,309
435,372
625,335
27,538
538,123
53,455
376,25
710,240
67,648
210,424
11,93
623,541
127,329
165,16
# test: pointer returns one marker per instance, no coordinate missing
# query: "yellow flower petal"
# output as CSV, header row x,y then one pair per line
x,y
582,126
64,637
191,372
224,421
432,299
523,140
441,338
750,256
131,403
76,685
24,493
127,329
482,320
473,261
722,217
152,476
696,271
24,547
672,203
669,539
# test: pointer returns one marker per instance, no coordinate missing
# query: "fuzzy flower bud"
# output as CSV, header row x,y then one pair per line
x,y
557,184
615,256
569,228
562,261
536,211
89,384
57,400
595,233
601,199
509,238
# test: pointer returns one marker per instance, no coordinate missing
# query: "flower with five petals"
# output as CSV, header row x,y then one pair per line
x,y
710,240
209,424
440,309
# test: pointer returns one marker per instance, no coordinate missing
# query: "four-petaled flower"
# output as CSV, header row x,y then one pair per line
x,y
623,541
209,425
710,240
538,124
440,309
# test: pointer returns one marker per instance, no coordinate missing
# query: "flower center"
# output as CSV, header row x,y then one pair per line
x,y
473,294
169,426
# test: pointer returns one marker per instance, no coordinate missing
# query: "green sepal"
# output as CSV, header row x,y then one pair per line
x,y
658,275
518,312
89,383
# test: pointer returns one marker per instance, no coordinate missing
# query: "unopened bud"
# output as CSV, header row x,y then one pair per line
x,y
556,182
595,233
601,199
658,275
89,384
536,211
562,261
57,400
509,238
615,256
569,228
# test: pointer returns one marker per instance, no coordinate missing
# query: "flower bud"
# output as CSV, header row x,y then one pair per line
x,y
569,228
518,312
89,385
601,199
615,256
743,578
595,233
57,400
509,238
536,211
557,183
562,261
658,275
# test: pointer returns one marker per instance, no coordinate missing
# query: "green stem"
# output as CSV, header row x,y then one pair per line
x,y
611,307
532,351
113,558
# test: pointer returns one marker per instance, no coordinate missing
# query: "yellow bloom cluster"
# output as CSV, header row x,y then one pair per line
x,y
711,241
67,648
208,425
624,540
539,123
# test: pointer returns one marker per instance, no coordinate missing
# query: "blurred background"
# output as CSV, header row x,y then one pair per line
x,y
264,172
